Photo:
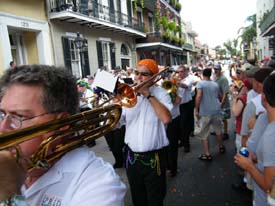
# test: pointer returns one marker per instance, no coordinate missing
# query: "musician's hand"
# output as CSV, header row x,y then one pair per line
x,y
144,90
11,176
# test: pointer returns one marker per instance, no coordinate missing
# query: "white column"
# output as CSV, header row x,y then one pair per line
x,y
44,47
5,43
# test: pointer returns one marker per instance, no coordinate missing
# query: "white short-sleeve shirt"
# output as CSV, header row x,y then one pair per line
x,y
78,178
144,130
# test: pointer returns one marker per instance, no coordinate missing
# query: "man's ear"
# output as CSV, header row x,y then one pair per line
x,y
264,101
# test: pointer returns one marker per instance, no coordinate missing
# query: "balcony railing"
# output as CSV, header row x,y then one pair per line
x,y
268,20
91,8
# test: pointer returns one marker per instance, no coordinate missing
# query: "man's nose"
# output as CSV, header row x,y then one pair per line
x,y
5,125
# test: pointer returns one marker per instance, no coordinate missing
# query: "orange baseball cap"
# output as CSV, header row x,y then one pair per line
x,y
150,64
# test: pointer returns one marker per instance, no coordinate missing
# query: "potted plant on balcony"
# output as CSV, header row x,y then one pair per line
x,y
182,41
164,23
167,36
178,6
172,26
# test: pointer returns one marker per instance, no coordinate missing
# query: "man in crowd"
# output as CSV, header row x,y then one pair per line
x,y
186,107
207,111
146,138
34,94
263,171
222,81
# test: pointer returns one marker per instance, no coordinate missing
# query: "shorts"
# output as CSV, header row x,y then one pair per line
x,y
203,126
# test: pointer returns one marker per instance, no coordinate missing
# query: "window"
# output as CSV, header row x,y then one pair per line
x,y
151,24
73,51
124,50
105,53
139,18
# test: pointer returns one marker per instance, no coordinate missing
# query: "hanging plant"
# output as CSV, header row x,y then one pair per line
x,y
178,6
164,22
172,26
167,35
136,2
135,5
182,41
142,4
157,20
157,16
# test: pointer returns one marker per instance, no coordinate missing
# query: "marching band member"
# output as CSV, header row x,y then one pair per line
x,y
146,138
78,177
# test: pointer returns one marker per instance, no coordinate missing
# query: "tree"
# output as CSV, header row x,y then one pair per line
x,y
249,32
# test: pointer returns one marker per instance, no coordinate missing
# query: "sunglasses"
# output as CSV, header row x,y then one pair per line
x,y
238,72
145,74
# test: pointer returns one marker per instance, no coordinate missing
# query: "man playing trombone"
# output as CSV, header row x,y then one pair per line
x,y
146,138
35,94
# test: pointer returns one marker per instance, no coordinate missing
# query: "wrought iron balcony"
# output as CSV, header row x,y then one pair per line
x,y
91,13
267,21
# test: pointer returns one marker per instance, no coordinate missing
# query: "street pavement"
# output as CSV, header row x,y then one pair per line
x,y
197,183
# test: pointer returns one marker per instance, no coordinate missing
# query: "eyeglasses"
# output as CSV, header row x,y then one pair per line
x,y
145,74
14,121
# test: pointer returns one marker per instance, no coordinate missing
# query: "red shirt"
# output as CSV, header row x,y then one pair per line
x,y
239,118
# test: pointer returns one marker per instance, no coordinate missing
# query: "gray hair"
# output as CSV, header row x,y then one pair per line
x,y
58,85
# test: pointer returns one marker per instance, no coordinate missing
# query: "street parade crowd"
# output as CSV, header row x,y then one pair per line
x,y
160,108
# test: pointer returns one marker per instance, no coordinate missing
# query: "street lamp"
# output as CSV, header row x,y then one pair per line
x,y
80,45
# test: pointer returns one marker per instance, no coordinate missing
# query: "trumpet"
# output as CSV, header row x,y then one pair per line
x,y
171,87
76,130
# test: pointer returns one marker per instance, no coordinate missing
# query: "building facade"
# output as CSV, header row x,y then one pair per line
x,y
265,41
24,33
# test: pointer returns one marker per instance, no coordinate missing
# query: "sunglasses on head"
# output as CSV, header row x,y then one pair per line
x,y
145,74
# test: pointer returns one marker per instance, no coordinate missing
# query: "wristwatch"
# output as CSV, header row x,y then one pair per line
x,y
149,96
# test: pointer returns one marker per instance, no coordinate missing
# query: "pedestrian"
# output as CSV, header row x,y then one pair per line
x,y
264,171
222,81
145,138
208,111
78,177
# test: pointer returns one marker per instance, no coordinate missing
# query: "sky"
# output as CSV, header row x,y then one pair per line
x,y
217,21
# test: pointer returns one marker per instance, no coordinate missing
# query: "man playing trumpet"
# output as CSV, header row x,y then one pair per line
x,y
34,94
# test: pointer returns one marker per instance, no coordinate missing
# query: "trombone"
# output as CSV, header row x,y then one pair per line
x,y
126,94
75,130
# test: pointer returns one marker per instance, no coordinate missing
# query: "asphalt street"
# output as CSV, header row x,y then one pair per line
x,y
197,183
